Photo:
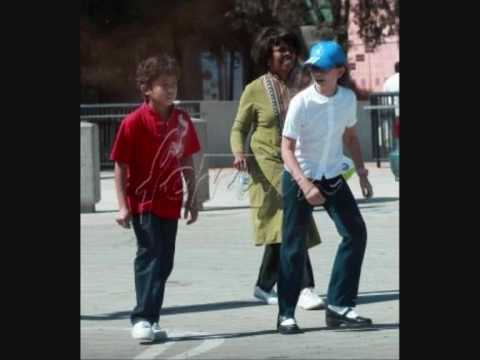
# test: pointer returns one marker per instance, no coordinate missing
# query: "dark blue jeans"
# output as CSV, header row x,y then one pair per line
x,y
268,274
343,210
153,264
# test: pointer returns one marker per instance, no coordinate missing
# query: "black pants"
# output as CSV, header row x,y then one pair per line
x,y
268,274
343,210
153,264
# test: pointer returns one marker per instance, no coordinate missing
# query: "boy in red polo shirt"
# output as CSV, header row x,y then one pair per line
x,y
153,148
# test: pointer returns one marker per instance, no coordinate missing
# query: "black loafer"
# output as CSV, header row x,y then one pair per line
x,y
334,319
287,329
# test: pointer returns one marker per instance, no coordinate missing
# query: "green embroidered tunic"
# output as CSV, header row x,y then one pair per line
x,y
265,166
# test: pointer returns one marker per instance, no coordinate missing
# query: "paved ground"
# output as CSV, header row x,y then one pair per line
x,y
209,311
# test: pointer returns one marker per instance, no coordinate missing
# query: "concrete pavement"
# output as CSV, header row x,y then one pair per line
x,y
209,311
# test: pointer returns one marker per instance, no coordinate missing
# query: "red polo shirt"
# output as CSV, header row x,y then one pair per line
x,y
152,148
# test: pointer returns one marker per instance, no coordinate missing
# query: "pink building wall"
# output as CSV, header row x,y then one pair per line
x,y
369,70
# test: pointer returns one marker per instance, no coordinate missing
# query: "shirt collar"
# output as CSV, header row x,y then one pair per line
x,y
157,117
324,98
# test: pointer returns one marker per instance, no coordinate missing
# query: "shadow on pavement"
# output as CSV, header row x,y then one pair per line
x,y
218,336
363,298
377,200
368,299
110,316
179,309
374,327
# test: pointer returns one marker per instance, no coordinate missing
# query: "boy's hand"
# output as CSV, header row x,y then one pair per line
x,y
366,187
313,196
191,207
123,217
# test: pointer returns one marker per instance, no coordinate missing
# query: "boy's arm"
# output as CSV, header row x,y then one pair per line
x,y
188,171
123,217
350,139
310,191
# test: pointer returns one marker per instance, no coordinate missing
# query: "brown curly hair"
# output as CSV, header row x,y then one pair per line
x,y
153,67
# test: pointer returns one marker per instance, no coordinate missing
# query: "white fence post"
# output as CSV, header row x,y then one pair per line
x,y
201,163
89,167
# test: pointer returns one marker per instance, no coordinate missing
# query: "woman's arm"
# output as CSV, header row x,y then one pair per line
x,y
241,127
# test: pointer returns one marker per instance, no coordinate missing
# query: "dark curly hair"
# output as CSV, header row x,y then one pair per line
x,y
266,39
153,67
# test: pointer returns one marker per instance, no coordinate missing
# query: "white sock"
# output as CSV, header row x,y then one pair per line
x,y
288,322
343,309
339,309
352,314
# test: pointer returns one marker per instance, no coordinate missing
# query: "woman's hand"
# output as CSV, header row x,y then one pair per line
x,y
240,162
191,211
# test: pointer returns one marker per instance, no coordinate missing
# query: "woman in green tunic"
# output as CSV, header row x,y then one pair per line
x,y
262,110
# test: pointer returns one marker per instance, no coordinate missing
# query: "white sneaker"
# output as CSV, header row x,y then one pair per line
x,y
269,298
308,300
143,331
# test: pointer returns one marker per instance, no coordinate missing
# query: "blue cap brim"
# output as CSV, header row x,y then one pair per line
x,y
320,63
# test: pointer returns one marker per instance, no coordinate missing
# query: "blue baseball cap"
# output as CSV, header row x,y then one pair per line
x,y
326,55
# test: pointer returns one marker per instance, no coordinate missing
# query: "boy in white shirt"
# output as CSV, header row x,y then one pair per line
x,y
320,119
392,84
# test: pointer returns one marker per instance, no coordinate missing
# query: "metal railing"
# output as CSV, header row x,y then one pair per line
x,y
109,116
383,107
